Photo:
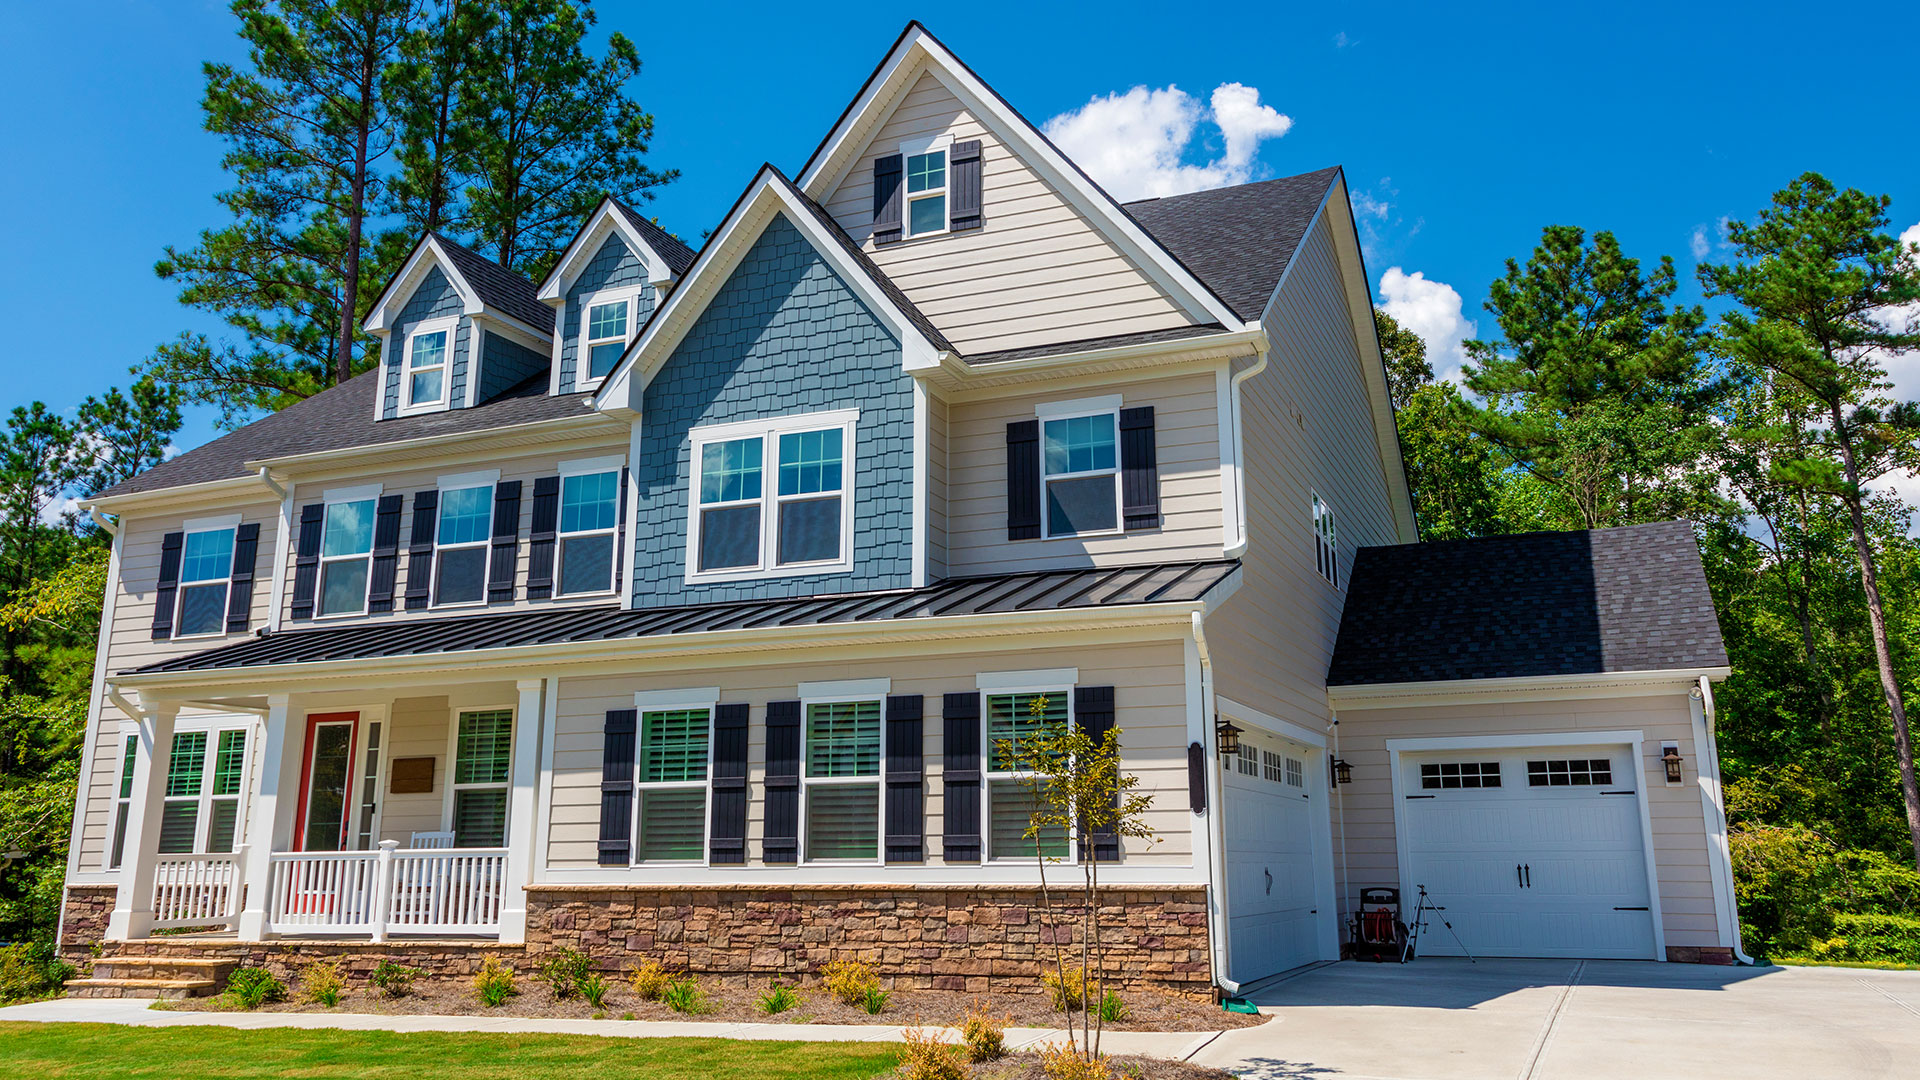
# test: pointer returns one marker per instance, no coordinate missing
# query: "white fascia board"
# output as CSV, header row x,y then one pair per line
x,y
916,51
426,256
586,244
1476,691
557,428
528,337
211,489
621,392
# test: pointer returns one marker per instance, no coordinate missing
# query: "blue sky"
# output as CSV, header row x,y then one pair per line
x,y
1465,135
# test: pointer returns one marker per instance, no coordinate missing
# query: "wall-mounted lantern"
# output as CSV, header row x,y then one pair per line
x,y
1670,757
1341,772
1226,737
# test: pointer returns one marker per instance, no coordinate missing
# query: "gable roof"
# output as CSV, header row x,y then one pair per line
x,y
678,256
664,256
498,287
485,287
1238,239
1554,603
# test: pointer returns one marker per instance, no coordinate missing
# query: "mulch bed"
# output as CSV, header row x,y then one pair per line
x,y
1027,1067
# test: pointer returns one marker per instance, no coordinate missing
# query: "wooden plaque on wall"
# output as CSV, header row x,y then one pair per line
x,y
411,776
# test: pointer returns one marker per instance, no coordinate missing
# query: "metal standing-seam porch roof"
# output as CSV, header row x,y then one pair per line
x,y
1048,590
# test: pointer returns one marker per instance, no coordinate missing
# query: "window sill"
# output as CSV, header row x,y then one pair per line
x,y
205,637
422,410
1090,535
715,577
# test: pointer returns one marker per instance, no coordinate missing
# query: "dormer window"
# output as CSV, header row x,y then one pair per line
x,y
927,193
429,363
606,326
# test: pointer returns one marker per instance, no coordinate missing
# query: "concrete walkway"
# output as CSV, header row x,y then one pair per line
x,y
136,1012
1446,1019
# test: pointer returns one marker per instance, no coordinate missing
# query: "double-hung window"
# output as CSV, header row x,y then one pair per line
x,y
206,771
799,520
429,365
346,552
606,326
482,770
842,755
1326,542
673,784
589,508
1080,466
1013,788
123,801
465,530
926,189
206,570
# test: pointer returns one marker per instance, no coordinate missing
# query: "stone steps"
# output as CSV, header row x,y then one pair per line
x,y
154,976
169,989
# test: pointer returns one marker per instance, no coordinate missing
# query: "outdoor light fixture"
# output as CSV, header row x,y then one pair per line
x,y
1342,772
1227,736
1670,757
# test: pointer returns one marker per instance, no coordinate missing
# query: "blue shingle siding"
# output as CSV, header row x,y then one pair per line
x,y
434,298
612,266
505,364
784,335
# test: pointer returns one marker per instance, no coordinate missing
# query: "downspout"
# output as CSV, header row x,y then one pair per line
x,y
1707,749
107,525
1216,833
1237,544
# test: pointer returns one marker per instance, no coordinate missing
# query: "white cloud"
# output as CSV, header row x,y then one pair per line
x,y
1699,243
1340,40
59,509
1366,206
1903,369
1135,143
1431,309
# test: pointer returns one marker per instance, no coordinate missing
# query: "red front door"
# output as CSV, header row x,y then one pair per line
x,y
327,782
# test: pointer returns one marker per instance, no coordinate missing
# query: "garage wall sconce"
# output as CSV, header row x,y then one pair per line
x,y
1670,757
1340,772
1226,737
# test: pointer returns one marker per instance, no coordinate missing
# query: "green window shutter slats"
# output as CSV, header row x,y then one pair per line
x,y
186,763
843,739
673,746
229,763
485,748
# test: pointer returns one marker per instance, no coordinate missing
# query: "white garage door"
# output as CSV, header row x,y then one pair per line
x,y
1271,881
1530,852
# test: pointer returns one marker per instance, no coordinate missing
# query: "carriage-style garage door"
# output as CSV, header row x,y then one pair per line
x,y
1272,882
1532,852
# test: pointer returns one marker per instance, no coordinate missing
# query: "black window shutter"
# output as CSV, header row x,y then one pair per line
x,y
1197,778
616,788
386,553
905,824
620,532
246,552
1093,714
426,520
727,837
781,840
506,542
1139,470
541,537
960,776
306,561
168,586
963,186
1023,480
889,198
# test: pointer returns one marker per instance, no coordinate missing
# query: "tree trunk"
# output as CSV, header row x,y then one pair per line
x,y
356,225
1877,620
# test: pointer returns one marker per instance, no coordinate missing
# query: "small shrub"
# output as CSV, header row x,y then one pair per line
x,y
394,980
626,1016
927,1057
251,987
565,973
874,1000
594,989
684,996
849,981
1062,1063
778,999
650,981
323,983
984,1034
29,972
494,983
1113,1010
1067,987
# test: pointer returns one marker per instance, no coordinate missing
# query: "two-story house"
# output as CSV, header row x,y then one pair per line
x,y
680,605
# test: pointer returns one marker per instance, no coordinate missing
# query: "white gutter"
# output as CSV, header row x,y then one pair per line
x,y
1235,469
107,524
266,477
1216,834
1707,750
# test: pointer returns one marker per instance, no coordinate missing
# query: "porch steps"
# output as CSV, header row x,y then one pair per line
x,y
123,976
171,989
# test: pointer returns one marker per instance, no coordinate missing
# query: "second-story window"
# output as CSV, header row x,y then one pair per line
x,y
1326,542
799,520
926,192
589,510
206,569
466,526
1080,464
606,325
346,549
429,361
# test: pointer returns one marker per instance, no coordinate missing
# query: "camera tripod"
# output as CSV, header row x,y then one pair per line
x,y
1419,920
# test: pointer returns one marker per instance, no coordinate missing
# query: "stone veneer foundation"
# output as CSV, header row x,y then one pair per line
x,y
83,921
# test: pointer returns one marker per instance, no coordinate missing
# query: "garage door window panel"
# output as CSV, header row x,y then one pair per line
x,y
1441,775
1569,772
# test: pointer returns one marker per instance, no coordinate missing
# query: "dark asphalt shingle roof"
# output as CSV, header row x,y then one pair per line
x,y
1567,603
1173,333
1048,590
1238,240
498,287
677,255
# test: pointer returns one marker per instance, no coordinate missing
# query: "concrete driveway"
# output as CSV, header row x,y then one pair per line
x,y
1446,1019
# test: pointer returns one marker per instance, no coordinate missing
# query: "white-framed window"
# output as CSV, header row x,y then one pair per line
x,y
366,826
588,521
123,800
1080,466
842,746
1326,541
346,551
206,572
924,169
206,777
482,772
1012,791
462,539
745,523
608,320
425,380
670,814
1247,760
1459,774
1296,772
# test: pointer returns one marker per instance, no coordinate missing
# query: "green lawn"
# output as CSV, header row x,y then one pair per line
x,y
177,1053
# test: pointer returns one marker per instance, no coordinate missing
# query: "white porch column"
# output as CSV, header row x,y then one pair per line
x,y
270,821
522,809
133,905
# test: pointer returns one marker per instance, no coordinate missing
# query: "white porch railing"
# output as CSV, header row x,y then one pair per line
x,y
197,890
389,891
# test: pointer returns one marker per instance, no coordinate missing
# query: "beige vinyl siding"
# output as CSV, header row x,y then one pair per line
x,y
1306,427
1679,826
1036,272
1187,439
416,727
1150,709
938,540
